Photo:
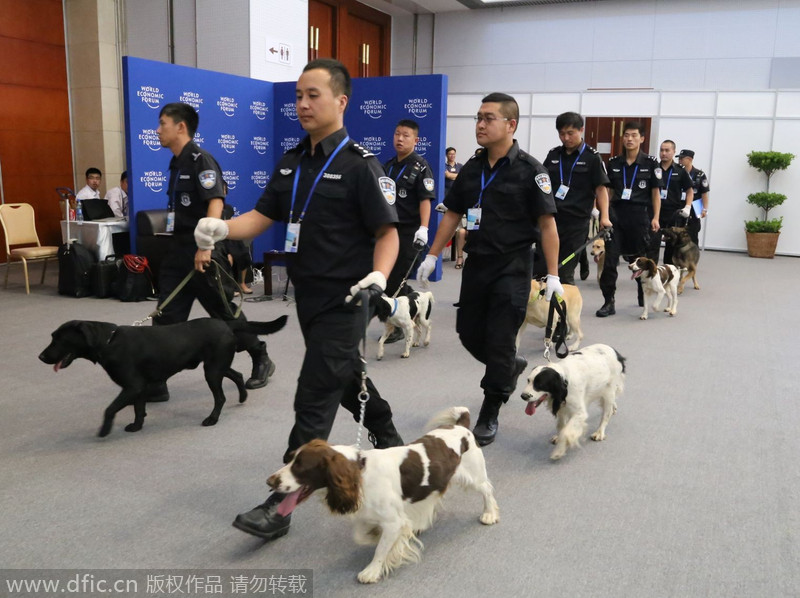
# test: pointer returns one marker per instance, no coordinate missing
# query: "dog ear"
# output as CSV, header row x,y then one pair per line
x,y
560,393
95,336
344,484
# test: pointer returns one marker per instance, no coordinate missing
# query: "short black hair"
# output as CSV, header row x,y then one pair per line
x,y
123,176
569,119
340,77
669,141
93,170
508,105
449,149
409,123
180,112
634,124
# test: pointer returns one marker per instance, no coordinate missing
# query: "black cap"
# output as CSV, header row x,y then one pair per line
x,y
686,154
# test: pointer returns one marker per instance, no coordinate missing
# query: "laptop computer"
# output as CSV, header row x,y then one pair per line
x,y
96,209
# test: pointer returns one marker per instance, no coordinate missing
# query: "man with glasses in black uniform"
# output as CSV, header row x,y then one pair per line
x,y
341,238
506,195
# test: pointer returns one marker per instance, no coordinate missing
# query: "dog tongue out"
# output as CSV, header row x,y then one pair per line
x,y
57,366
530,408
289,503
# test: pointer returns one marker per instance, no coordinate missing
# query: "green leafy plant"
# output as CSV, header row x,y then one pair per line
x,y
768,163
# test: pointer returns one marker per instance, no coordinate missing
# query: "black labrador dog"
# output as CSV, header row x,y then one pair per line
x,y
137,356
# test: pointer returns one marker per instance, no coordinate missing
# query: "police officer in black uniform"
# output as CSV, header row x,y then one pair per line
x,y
701,190
342,237
415,190
676,198
636,181
505,194
579,177
196,190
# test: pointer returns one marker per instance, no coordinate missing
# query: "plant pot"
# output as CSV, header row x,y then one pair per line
x,y
762,244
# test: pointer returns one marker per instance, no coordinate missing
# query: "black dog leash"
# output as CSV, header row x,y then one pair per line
x,y
605,233
419,246
556,337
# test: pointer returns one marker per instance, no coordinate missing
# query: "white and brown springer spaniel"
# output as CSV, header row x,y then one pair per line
x,y
657,281
392,494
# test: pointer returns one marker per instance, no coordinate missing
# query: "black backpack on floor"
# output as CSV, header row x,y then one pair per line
x,y
74,270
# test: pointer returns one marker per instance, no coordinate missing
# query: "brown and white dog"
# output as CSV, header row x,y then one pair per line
x,y
594,374
657,281
411,313
391,494
685,254
537,311
598,252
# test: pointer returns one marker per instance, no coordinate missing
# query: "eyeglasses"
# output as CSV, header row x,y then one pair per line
x,y
488,119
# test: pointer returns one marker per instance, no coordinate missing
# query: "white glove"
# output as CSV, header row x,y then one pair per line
x,y
208,231
595,213
553,286
421,235
440,207
426,268
373,279
685,212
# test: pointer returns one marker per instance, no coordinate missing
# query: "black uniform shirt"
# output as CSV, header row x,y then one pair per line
x,y
454,168
335,248
588,173
677,182
699,182
415,184
648,176
194,179
511,205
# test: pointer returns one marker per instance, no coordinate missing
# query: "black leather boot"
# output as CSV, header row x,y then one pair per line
x,y
264,521
607,309
263,367
157,392
396,335
485,429
385,436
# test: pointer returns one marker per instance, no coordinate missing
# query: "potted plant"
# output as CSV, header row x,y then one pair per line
x,y
762,233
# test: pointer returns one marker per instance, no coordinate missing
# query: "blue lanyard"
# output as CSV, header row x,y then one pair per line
x,y
171,196
487,183
624,179
561,172
399,174
314,186
669,176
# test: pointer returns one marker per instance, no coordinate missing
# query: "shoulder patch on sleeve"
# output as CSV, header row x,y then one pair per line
x,y
543,180
428,184
361,151
208,178
388,189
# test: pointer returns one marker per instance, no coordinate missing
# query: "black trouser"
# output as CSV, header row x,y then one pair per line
x,y
331,370
204,287
491,308
630,239
405,257
693,228
572,233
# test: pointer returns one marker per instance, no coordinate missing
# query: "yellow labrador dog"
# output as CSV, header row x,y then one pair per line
x,y
537,310
598,252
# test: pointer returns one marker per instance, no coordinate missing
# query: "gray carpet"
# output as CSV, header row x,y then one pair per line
x,y
696,491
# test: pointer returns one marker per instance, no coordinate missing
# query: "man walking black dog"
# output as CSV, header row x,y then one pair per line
x,y
348,243
196,190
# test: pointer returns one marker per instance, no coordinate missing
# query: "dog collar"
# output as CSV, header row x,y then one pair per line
x,y
394,307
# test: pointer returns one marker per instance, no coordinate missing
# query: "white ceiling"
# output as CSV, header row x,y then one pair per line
x,y
405,7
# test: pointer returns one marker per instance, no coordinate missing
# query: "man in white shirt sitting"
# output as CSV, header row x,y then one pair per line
x,y
90,191
118,197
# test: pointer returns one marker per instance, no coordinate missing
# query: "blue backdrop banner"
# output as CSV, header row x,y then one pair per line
x,y
248,124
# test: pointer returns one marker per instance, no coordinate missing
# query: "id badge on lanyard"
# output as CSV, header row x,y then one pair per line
x,y
292,237
663,194
626,193
474,218
562,191
171,221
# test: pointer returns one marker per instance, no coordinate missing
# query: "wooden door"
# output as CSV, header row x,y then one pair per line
x,y
605,134
322,28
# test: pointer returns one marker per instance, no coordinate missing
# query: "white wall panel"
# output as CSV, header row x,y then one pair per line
x,y
678,74
746,104
787,42
265,32
556,103
737,73
695,134
615,103
788,104
788,182
461,135
621,74
463,105
543,137
685,103
734,179
223,33
567,75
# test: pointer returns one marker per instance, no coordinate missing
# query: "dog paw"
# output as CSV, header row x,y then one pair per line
x,y
405,355
557,454
644,317
426,343
105,430
210,420
134,427
379,357
489,518
416,344
598,436
370,575
243,396
554,439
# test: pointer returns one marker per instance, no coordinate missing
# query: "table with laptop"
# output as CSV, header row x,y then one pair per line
x,y
100,230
